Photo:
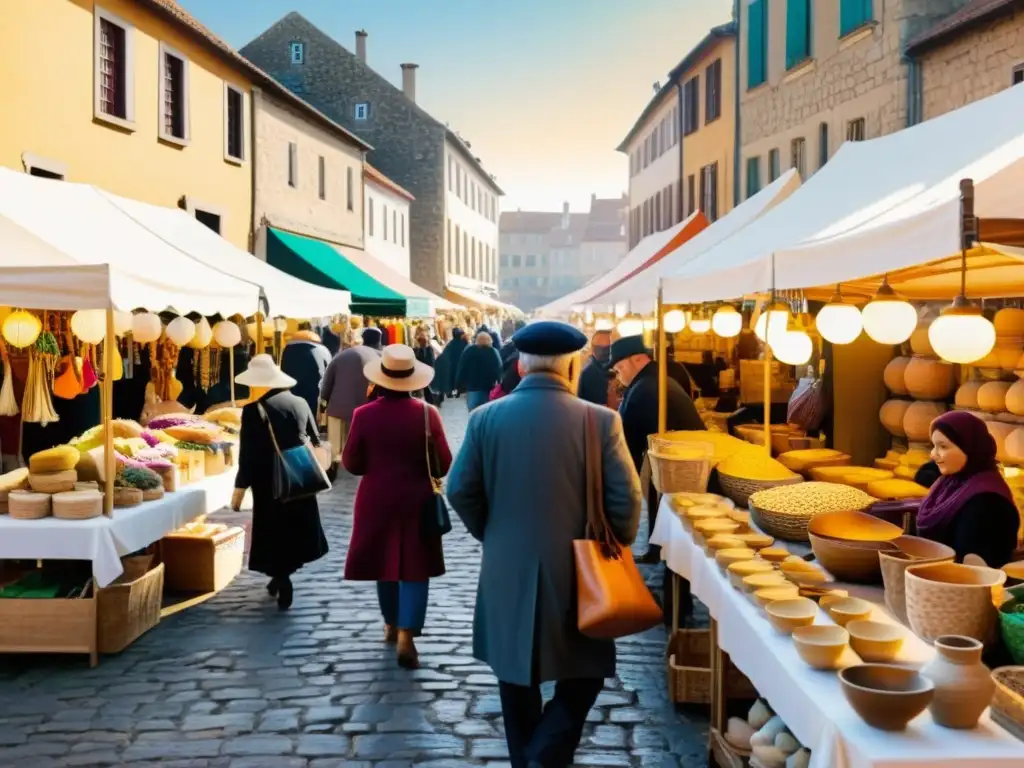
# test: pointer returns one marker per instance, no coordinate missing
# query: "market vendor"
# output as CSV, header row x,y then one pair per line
x,y
969,507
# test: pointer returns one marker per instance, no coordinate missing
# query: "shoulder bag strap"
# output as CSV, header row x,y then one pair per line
x,y
598,528
270,428
427,436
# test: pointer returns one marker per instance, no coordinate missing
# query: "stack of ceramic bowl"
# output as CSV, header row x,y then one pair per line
x,y
847,544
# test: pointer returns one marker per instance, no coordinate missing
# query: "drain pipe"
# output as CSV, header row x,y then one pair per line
x,y
257,97
682,177
737,150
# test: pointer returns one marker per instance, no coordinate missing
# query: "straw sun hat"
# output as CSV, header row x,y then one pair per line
x,y
263,372
399,370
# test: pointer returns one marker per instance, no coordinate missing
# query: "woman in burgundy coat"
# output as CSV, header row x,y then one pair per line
x,y
387,446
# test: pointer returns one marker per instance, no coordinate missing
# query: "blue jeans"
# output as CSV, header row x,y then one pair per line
x,y
475,399
403,604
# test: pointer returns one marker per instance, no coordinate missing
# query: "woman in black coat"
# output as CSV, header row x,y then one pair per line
x,y
425,354
448,364
285,535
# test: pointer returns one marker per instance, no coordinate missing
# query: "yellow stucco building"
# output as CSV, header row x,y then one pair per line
x,y
136,97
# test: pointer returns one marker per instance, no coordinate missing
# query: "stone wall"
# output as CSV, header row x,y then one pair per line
x,y
977,64
408,143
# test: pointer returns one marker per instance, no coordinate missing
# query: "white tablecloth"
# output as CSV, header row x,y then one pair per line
x,y
811,702
104,540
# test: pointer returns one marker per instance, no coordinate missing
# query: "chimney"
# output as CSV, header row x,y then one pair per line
x,y
361,44
565,215
409,81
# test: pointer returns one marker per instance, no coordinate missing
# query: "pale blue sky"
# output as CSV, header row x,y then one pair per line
x,y
544,89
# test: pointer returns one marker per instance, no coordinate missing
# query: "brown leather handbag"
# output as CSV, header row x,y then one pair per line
x,y
612,598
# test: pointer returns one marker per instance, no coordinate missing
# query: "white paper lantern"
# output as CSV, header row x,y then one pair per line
x,y
203,335
675,321
962,334
89,325
792,347
122,322
727,322
181,331
700,325
146,327
631,326
21,329
227,334
772,322
839,323
889,319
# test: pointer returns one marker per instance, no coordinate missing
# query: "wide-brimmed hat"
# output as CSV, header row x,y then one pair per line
x,y
263,372
398,369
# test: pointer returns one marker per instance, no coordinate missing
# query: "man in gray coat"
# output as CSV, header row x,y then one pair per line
x,y
519,485
345,387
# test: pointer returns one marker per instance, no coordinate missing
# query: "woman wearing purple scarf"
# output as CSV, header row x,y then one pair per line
x,y
970,507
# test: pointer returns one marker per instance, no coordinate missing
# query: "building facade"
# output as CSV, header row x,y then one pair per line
x,y
816,73
386,220
409,146
972,53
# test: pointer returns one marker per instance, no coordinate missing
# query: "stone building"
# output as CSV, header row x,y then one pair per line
x,y
970,54
453,221
386,220
815,73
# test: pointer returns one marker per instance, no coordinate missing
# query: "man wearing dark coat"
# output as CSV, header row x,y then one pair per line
x,y
596,375
305,359
519,485
448,363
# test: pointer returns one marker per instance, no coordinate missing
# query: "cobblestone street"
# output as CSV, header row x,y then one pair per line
x,y
234,683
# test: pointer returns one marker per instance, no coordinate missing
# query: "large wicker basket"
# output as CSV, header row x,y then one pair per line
x,y
28,505
782,526
1008,701
740,489
674,474
688,670
131,605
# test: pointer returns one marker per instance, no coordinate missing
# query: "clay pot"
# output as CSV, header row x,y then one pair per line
x,y
963,685
913,551
886,696
954,599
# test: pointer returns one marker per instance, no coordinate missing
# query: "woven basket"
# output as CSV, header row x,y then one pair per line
x,y
87,485
26,505
169,476
77,505
688,670
131,605
781,526
153,494
673,474
54,482
739,489
1008,701
127,497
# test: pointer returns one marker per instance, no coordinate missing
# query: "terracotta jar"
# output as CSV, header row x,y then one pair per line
x,y
963,685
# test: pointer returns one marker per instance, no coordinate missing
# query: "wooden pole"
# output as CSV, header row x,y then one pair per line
x,y
231,374
259,334
767,394
662,368
107,409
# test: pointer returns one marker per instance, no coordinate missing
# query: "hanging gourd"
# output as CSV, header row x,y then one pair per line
x,y
89,325
203,334
227,334
21,329
181,331
146,328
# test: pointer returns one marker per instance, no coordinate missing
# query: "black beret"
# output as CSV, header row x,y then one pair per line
x,y
549,338
372,337
626,347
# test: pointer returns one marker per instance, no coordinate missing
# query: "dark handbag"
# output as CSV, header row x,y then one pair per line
x,y
298,473
436,521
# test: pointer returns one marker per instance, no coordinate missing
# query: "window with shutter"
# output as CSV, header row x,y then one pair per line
x,y
822,145
713,91
753,176
798,32
798,156
1018,74
854,14
691,92
757,43
691,194
293,164
774,165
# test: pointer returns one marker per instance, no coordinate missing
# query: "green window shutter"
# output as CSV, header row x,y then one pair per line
x,y
798,32
753,176
757,43
854,14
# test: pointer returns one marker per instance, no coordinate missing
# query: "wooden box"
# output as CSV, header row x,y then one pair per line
x,y
191,466
131,605
49,626
214,463
202,563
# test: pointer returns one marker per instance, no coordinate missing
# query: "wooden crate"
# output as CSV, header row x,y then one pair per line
x,y
130,606
50,626
202,563
688,670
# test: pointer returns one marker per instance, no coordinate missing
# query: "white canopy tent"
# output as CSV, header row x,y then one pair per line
x,y
878,206
65,246
287,296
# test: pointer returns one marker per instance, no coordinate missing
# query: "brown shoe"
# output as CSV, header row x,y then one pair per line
x,y
408,656
390,634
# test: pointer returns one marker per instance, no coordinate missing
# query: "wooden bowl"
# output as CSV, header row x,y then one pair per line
x,y
726,557
756,581
805,574
821,645
769,595
847,561
1014,572
853,526
833,596
773,554
738,571
886,696
849,609
787,615
756,541
875,641
916,548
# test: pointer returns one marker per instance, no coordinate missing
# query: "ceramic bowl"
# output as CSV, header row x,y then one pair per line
x,y
755,540
853,526
847,561
821,645
723,541
832,597
705,529
740,570
886,696
912,551
768,595
875,641
787,615
773,554
916,548
756,581
740,516
1014,572
726,557
954,599
805,574
693,515
849,609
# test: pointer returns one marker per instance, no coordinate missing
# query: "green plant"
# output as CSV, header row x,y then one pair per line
x,y
185,445
138,477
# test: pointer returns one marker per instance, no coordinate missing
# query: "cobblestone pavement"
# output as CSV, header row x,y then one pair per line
x,y
233,683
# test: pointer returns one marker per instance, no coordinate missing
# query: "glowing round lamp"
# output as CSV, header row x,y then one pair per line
x,y
588,317
227,334
21,329
181,331
122,322
675,321
727,322
961,334
631,326
203,336
146,327
603,324
772,322
650,324
839,323
792,347
700,325
89,325
888,319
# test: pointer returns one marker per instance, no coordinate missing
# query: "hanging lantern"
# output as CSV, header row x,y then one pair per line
x,y
21,329
650,324
792,347
146,327
203,335
631,326
181,330
603,324
961,334
773,321
89,325
122,322
839,322
588,316
727,322
227,334
889,319
700,324
675,321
